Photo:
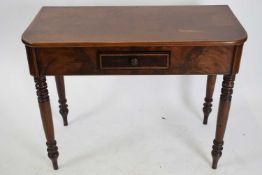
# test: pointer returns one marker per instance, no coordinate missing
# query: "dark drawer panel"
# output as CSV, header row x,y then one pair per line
x,y
145,60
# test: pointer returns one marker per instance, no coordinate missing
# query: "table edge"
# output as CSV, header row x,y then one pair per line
x,y
136,44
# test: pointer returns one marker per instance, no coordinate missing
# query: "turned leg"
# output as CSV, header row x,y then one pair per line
x,y
60,85
223,111
46,115
211,81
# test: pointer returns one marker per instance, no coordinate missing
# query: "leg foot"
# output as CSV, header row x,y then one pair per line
x,y
55,165
211,81
60,85
216,152
207,109
53,153
63,111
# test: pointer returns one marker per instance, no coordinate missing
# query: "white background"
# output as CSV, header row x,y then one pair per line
x,y
115,122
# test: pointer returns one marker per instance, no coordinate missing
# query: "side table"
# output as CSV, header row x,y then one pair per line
x,y
147,40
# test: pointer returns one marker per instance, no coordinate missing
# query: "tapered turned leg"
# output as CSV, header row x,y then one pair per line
x,y
60,85
211,81
222,117
46,115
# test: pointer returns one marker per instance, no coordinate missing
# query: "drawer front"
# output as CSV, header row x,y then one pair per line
x,y
133,60
137,60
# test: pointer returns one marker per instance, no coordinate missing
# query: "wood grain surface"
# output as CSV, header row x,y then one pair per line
x,y
136,26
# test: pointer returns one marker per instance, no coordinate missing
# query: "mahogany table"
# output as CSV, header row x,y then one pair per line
x,y
147,40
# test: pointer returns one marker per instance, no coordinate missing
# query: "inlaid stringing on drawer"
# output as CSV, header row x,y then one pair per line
x,y
136,60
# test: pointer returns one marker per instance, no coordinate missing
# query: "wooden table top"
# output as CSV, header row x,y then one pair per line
x,y
134,26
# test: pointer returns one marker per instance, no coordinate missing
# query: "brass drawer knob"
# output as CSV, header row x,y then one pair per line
x,y
134,61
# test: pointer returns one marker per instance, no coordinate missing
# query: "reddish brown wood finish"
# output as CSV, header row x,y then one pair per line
x,y
198,39
46,115
85,61
223,111
60,85
211,81
134,26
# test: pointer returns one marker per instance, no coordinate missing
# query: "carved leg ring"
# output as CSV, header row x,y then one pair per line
x,y
211,81
53,154
222,117
216,152
46,116
60,85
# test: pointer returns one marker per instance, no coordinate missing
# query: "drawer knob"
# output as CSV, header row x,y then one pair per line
x,y
134,61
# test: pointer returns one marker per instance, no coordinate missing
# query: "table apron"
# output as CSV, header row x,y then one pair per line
x,y
165,60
